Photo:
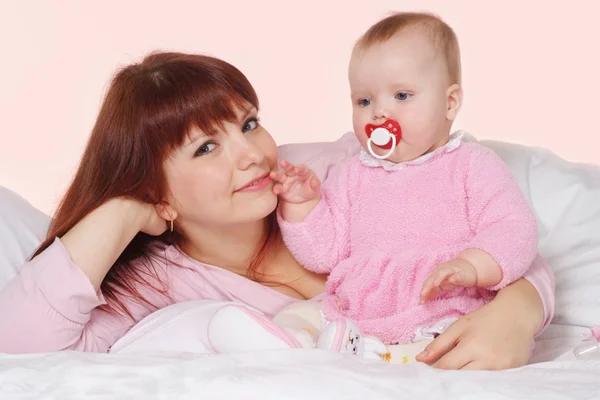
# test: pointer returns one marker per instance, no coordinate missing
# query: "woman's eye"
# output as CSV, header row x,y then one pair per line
x,y
205,149
364,102
402,96
250,125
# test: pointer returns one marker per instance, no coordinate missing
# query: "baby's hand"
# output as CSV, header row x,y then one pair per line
x,y
448,276
296,184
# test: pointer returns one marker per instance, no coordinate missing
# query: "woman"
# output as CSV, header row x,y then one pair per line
x,y
172,201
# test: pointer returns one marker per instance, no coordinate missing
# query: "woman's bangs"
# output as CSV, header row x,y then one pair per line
x,y
208,110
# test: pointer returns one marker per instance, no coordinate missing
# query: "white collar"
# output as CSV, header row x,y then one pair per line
x,y
369,161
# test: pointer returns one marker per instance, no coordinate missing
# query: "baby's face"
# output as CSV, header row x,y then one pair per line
x,y
402,79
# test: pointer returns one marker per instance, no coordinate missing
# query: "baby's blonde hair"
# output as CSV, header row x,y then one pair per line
x,y
442,36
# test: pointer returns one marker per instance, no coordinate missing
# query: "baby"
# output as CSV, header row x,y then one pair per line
x,y
420,228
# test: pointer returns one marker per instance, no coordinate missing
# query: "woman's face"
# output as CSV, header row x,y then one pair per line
x,y
222,180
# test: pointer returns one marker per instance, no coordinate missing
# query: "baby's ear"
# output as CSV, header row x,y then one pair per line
x,y
454,101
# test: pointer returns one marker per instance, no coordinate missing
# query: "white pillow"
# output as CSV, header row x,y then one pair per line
x,y
566,200
22,229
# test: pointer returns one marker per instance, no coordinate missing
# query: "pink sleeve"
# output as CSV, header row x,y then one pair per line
x,y
51,306
505,227
322,240
541,276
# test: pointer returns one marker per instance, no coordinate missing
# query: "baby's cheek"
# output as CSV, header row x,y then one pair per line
x,y
359,130
360,119
362,138
417,127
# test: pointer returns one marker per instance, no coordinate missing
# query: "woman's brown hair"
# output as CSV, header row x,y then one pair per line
x,y
147,113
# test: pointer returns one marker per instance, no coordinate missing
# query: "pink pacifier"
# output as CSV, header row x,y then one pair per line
x,y
384,136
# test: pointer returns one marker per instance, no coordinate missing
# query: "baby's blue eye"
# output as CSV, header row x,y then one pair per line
x,y
402,96
364,102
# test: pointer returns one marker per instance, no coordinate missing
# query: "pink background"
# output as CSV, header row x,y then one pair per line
x,y
530,70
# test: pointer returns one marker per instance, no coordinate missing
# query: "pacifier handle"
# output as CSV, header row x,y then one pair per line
x,y
386,155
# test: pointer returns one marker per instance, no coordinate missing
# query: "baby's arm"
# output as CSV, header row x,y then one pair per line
x,y
299,190
505,228
315,221
506,236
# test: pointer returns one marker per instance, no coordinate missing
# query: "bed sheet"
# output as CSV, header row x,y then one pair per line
x,y
293,374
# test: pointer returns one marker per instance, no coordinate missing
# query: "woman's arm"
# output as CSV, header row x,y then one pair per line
x,y
541,276
500,334
96,242
52,304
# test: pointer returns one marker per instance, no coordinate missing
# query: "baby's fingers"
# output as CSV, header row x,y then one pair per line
x,y
442,274
428,290
288,168
429,293
278,176
315,183
459,278
311,187
433,283
302,170
277,189
284,164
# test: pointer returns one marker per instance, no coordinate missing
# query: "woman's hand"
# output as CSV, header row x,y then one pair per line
x,y
497,336
96,241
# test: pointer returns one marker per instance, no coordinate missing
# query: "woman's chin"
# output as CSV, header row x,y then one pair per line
x,y
263,206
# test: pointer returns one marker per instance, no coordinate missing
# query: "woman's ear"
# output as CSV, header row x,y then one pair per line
x,y
455,97
165,211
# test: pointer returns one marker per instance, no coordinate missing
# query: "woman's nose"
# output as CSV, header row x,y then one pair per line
x,y
248,154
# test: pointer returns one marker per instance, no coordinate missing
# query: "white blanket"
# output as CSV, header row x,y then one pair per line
x,y
292,374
